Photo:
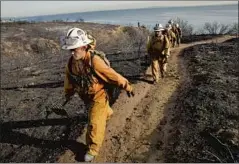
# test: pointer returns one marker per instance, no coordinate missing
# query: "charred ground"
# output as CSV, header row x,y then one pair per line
x,y
207,111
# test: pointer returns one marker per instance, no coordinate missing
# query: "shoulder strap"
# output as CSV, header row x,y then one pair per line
x,y
101,55
72,77
69,65
164,40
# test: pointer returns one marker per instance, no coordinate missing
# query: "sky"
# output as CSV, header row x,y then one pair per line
x,y
35,8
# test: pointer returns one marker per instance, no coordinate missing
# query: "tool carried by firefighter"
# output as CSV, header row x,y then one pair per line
x,y
57,108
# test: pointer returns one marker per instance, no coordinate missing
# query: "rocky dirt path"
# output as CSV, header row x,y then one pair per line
x,y
141,125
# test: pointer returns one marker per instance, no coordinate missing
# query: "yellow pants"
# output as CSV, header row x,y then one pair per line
x,y
156,65
99,113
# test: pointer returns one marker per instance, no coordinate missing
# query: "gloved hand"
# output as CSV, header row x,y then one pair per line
x,y
166,58
130,92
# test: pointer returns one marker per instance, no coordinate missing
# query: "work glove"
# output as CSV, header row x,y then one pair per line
x,y
166,58
130,92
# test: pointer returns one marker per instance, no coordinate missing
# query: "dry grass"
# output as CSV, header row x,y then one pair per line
x,y
34,42
39,38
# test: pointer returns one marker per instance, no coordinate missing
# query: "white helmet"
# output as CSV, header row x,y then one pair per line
x,y
75,38
158,27
170,21
177,25
169,26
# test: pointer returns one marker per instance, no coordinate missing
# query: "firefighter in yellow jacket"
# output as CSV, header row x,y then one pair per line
x,y
179,37
175,31
158,50
170,34
90,86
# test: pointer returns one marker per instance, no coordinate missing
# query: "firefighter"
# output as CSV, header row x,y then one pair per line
x,y
175,31
158,50
170,34
179,37
87,74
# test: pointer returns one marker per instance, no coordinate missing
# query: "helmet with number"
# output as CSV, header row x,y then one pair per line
x,y
75,38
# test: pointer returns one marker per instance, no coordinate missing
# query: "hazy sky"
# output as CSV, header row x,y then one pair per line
x,y
33,8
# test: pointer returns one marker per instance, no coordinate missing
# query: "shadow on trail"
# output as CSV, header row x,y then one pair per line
x,y
42,122
8,135
136,78
18,138
43,85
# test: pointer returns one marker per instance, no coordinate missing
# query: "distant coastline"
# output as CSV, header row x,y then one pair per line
x,y
87,12
196,16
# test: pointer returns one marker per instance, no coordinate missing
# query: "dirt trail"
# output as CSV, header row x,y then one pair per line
x,y
139,129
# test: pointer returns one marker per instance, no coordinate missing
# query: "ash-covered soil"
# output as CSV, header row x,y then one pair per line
x,y
207,115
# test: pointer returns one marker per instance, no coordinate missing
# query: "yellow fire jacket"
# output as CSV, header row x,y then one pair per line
x,y
96,90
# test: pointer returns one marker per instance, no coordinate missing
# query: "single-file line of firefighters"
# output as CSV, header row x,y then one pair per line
x,y
159,46
88,73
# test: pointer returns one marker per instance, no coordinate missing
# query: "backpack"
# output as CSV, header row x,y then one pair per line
x,y
168,34
86,80
93,43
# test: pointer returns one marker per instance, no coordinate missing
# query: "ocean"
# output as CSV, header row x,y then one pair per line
x,y
196,16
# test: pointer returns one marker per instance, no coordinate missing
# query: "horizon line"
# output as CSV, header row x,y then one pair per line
x,y
120,9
